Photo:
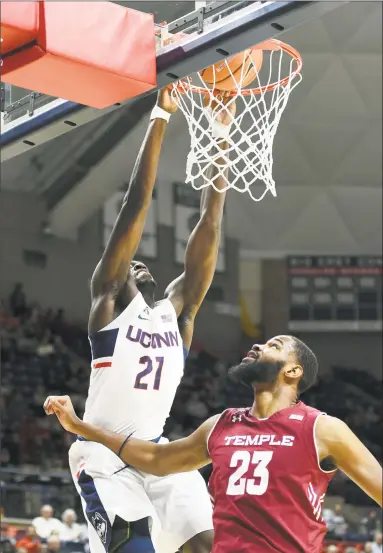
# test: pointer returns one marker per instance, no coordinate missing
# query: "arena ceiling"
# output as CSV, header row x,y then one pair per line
x,y
327,158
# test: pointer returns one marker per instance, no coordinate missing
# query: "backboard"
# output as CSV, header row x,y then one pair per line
x,y
210,32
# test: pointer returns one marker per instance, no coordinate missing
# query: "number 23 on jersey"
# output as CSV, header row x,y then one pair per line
x,y
244,461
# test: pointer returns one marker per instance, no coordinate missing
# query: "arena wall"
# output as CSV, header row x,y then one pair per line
x,y
64,280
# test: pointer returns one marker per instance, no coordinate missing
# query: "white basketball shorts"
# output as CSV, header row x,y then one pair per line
x,y
178,505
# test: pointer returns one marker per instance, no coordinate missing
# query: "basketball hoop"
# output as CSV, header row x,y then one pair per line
x,y
249,156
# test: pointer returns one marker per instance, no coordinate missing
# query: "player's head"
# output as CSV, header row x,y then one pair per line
x,y
144,281
282,360
140,273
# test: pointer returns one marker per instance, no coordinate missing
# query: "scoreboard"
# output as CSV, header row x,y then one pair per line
x,y
335,293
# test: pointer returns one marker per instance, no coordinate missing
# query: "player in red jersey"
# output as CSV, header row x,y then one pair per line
x,y
272,462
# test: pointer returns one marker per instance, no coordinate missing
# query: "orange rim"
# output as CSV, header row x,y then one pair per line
x,y
272,44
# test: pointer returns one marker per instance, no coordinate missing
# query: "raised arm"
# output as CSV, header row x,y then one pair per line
x,y
335,439
188,291
112,271
159,459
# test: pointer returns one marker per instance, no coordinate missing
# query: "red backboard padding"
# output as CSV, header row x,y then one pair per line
x,y
19,24
93,53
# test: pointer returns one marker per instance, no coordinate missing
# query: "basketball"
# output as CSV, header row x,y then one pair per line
x,y
226,74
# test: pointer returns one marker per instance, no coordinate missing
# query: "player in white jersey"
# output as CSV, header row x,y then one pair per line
x,y
138,352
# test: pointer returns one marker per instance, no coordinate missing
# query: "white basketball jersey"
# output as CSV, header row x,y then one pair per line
x,y
137,365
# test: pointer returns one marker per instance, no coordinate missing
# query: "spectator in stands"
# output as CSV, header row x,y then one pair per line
x,y
30,542
70,530
53,544
336,523
45,347
46,524
10,446
371,415
327,515
196,408
58,322
332,549
377,543
6,319
7,546
18,301
371,524
368,547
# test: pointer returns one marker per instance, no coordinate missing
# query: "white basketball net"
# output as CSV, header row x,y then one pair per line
x,y
249,156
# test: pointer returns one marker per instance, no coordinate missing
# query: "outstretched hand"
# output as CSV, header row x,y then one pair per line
x,y
223,108
62,407
165,100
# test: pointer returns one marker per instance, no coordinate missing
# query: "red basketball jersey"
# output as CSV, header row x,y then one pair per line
x,y
267,485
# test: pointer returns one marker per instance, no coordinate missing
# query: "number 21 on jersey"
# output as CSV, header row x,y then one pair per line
x,y
238,484
147,362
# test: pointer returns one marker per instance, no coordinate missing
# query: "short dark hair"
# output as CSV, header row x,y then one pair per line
x,y
309,363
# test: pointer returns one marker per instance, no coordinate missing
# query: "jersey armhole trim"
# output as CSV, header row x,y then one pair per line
x,y
212,430
138,297
316,447
186,351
